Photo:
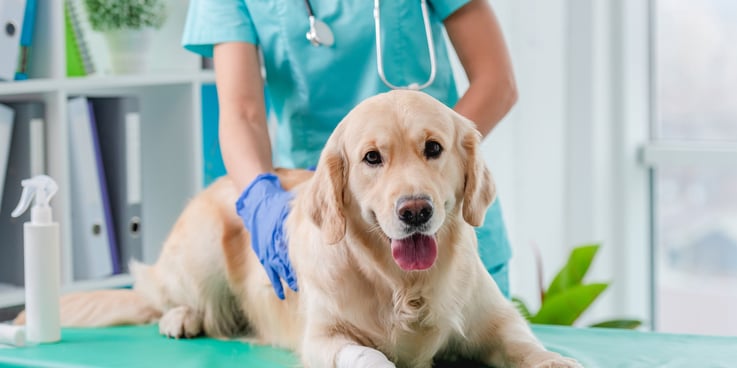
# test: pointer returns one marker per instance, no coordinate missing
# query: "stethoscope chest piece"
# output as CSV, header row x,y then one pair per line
x,y
319,33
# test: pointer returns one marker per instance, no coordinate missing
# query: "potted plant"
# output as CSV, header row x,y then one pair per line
x,y
128,26
568,296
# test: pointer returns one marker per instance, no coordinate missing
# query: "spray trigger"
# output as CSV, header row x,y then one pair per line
x,y
42,188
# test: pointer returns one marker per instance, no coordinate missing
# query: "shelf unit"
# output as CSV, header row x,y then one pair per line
x,y
170,108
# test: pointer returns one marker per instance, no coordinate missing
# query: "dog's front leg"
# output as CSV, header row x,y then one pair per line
x,y
339,351
507,341
502,338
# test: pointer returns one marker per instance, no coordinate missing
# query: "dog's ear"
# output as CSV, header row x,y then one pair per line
x,y
479,190
325,207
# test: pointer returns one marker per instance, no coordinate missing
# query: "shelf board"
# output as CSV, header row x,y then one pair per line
x,y
102,83
75,85
27,87
206,76
15,297
10,295
11,298
106,283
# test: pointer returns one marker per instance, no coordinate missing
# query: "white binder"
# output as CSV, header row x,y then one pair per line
x,y
119,131
92,224
26,160
6,134
11,24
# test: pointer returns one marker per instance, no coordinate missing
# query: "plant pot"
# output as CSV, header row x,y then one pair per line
x,y
128,50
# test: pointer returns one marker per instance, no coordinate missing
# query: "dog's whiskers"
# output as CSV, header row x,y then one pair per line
x,y
375,229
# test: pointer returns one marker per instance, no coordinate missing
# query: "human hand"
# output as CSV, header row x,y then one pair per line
x,y
263,207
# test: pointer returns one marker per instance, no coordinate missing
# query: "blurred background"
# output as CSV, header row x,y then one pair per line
x,y
625,136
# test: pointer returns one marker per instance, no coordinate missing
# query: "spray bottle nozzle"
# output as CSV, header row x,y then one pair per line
x,y
42,188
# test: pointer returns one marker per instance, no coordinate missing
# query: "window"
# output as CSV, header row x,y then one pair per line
x,y
693,153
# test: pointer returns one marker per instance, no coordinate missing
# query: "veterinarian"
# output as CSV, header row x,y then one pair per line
x,y
320,60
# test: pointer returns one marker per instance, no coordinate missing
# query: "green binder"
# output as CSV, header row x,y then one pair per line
x,y
79,62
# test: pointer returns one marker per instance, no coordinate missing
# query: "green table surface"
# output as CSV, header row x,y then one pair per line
x,y
142,346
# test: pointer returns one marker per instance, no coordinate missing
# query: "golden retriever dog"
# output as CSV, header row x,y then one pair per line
x,y
382,242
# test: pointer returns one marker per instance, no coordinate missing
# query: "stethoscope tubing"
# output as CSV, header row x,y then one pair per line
x,y
326,39
430,48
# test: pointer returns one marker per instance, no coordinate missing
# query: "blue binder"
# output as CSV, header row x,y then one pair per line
x,y
26,40
212,160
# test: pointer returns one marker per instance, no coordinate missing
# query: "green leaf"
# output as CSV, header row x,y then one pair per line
x,y
574,271
521,307
619,323
566,306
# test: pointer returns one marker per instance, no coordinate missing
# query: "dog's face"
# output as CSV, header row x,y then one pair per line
x,y
406,166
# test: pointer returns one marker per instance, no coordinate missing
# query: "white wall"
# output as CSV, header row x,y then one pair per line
x,y
526,151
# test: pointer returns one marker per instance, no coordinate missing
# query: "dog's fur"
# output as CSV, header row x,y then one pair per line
x,y
340,229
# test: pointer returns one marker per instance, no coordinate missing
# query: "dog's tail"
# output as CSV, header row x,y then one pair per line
x,y
103,308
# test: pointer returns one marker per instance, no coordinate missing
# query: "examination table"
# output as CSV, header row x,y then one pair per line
x,y
142,346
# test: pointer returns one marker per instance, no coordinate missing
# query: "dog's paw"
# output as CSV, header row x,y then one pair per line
x,y
548,359
355,356
558,362
179,322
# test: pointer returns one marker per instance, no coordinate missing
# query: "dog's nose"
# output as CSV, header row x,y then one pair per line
x,y
414,211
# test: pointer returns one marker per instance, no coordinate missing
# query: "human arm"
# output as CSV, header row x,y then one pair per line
x,y
243,131
478,40
246,150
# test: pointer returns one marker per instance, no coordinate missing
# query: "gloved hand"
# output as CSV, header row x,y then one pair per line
x,y
263,207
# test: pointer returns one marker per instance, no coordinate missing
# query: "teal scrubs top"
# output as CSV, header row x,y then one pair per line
x,y
312,88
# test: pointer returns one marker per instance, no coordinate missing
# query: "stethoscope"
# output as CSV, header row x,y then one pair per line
x,y
321,35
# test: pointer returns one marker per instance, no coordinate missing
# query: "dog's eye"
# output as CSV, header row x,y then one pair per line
x,y
372,158
433,149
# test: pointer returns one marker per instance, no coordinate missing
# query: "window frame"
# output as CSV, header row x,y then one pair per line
x,y
660,153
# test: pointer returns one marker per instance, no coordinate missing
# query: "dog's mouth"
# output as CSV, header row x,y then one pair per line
x,y
416,252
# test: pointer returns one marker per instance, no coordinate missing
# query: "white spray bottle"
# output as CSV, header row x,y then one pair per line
x,y
41,260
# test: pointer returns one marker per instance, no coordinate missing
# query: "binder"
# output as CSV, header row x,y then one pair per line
x,y
213,159
93,239
79,59
88,51
26,40
27,158
11,25
6,135
119,128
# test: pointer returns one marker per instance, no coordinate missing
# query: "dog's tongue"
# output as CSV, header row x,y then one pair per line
x,y
417,252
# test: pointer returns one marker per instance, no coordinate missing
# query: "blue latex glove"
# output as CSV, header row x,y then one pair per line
x,y
263,207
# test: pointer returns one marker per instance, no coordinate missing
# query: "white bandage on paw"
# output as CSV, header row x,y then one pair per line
x,y
354,356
